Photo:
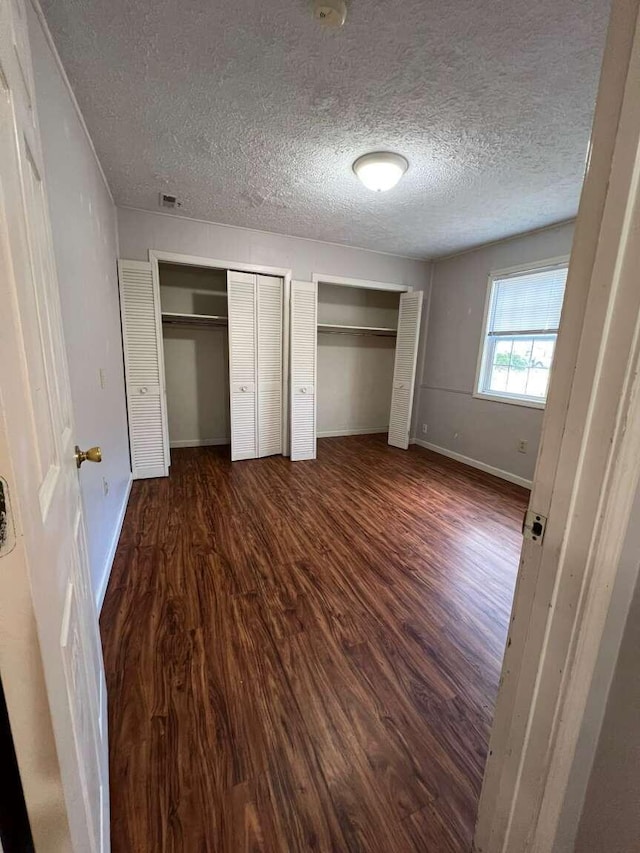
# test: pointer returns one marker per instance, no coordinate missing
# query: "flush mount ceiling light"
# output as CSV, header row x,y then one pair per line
x,y
381,170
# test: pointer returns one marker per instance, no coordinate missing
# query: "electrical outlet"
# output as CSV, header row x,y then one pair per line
x,y
523,445
424,429
105,486
102,374
456,435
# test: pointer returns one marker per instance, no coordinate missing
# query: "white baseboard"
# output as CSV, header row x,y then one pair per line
x,y
474,463
112,550
335,433
199,442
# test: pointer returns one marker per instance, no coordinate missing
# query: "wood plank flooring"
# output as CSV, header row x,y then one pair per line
x,y
305,656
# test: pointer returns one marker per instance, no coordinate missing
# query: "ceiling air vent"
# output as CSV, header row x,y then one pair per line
x,y
169,201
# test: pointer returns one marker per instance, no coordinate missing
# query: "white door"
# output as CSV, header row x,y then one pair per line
x,y
50,654
241,293
144,370
304,351
269,332
404,371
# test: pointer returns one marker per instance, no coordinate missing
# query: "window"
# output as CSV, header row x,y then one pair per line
x,y
519,338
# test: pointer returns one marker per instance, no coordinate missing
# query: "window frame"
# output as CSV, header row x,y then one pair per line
x,y
509,272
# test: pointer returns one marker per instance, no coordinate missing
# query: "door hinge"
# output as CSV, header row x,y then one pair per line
x,y
534,526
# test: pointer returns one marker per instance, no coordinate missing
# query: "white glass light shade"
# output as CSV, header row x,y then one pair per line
x,y
381,170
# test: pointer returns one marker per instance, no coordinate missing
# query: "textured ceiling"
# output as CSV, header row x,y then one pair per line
x,y
252,114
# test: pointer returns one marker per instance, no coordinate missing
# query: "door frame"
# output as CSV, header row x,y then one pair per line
x,y
157,256
562,642
322,278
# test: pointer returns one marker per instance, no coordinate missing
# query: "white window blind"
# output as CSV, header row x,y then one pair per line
x,y
530,302
519,337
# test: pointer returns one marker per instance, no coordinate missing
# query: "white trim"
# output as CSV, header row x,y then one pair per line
x,y
157,304
286,356
513,401
537,266
322,278
474,463
544,738
419,258
507,272
159,256
108,565
336,433
151,473
201,442
52,47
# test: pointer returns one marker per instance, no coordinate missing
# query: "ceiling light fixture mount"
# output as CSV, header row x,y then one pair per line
x,y
381,170
330,13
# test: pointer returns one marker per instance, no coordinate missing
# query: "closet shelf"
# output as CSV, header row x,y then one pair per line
x,y
194,319
334,329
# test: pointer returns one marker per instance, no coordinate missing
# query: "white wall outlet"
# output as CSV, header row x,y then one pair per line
x,y
523,445
424,429
105,486
102,374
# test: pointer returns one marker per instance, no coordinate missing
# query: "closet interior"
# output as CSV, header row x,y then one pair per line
x,y
203,353
357,329
354,348
195,338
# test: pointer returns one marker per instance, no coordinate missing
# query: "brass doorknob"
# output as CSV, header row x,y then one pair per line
x,y
93,454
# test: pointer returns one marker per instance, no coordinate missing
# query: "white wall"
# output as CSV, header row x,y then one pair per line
x,y
481,430
86,247
140,231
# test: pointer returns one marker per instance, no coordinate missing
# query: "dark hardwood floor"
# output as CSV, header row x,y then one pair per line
x,y
305,656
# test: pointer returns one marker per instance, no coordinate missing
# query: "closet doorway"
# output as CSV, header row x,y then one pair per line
x,y
357,330
354,350
195,339
206,359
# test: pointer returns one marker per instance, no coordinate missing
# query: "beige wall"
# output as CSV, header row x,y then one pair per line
x,y
141,230
479,429
196,360
362,400
196,363
354,384
355,372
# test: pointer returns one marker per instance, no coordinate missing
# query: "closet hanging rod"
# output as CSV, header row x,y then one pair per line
x,y
361,331
177,319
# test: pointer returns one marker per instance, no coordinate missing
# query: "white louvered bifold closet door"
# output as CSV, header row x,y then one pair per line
x,y
304,353
142,340
241,291
269,333
404,371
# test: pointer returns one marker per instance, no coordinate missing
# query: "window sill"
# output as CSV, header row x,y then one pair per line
x,y
512,401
